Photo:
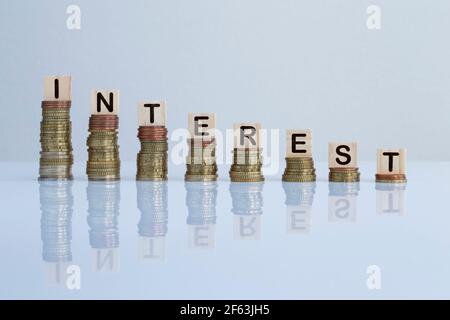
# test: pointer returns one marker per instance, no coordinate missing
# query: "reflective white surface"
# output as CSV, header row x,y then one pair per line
x,y
224,240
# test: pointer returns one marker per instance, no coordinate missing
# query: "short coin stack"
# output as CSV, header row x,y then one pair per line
x,y
56,147
390,178
152,158
246,165
201,160
299,169
344,175
103,163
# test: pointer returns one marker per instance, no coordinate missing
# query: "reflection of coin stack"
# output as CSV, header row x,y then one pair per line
x,y
343,189
201,160
246,165
103,212
152,202
152,158
299,194
103,163
201,202
299,200
56,147
247,198
56,226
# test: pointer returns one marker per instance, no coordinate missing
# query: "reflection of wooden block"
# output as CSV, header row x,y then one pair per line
x,y
202,125
58,88
106,259
246,135
298,143
342,155
202,236
391,202
152,113
391,161
152,248
341,208
105,102
298,219
247,227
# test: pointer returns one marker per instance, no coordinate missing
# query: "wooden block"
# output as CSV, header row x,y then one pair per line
x,y
105,102
342,155
202,125
152,113
298,143
246,135
391,161
57,88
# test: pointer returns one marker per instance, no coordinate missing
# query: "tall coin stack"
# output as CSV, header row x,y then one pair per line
x,y
152,134
342,162
152,158
56,147
247,158
299,161
201,159
103,162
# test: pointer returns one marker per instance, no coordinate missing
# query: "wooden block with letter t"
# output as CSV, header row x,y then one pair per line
x,y
152,113
391,161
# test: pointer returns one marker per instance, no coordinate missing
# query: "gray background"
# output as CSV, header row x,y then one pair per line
x,y
287,64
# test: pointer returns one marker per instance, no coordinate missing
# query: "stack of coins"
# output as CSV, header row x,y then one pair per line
x,y
246,165
103,163
201,160
152,158
56,147
299,169
56,221
390,178
152,202
103,212
201,203
344,175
